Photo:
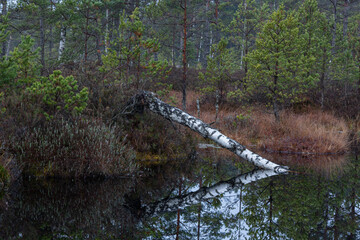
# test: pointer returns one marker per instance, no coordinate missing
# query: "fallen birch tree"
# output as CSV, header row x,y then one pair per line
x,y
154,104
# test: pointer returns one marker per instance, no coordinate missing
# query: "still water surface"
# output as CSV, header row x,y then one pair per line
x,y
192,199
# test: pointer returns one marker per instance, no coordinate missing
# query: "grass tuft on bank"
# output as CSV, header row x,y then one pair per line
x,y
78,148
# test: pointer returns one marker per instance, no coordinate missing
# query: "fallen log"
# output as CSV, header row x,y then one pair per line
x,y
154,104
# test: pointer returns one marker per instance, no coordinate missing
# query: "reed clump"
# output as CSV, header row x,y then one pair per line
x,y
77,148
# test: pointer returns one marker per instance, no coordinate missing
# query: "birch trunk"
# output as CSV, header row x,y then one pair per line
x,y
149,100
205,193
217,105
62,42
198,107
200,46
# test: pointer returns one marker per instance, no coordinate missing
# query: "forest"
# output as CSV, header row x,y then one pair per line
x,y
116,118
281,76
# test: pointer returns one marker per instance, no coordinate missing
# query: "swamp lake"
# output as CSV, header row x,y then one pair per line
x,y
197,198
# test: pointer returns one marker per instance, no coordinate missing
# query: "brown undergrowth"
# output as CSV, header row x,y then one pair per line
x,y
78,148
310,132
155,139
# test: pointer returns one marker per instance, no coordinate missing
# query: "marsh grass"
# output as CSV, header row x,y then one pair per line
x,y
310,132
78,148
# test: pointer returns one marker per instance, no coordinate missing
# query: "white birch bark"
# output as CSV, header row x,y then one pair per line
x,y
62,42
205,193
198,107
175,114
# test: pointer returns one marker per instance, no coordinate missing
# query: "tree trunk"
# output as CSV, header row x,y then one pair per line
x,y
216,33
322,82
199,208
200,47
178,215
42,41
333,41
173,47
275,100
246,52
276,110
205,193
346,17
184,83
107,38
8,48
50,42
3,13
149,100
51,35
207,33
217,105
270,209
198,107
243,37
62,41
98,38
240,211
86,33
138,68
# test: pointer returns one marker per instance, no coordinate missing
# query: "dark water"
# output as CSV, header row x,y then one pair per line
x,y
166,203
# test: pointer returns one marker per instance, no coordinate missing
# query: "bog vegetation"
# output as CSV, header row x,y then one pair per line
x,y
279,76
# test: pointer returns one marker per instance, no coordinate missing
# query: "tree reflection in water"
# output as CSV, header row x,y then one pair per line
x,y
249,206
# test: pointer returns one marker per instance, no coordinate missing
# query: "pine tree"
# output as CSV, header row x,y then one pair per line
x,y
315,30
221,65
132,50
279,67
354,43
243,28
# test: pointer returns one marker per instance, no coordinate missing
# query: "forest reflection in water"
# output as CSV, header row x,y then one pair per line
x,y
191,199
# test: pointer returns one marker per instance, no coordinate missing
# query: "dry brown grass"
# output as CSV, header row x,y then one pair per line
x,y
313,132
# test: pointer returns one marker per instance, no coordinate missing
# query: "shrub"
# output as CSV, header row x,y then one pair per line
x,y
83,147
58,95
154,137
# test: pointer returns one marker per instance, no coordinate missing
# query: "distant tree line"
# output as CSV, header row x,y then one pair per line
x,y
283,48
